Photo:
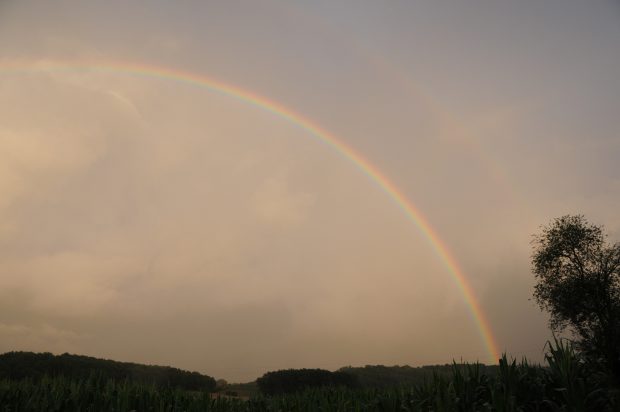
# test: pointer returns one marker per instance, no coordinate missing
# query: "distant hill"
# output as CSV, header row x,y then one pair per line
x,y
295,380
20,365
379,376
369,376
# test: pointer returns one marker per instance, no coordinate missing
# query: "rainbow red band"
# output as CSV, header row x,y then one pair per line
x,y
408,207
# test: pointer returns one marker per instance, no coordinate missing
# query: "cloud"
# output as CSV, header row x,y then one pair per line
x,y
275,203
42,337
206,219
167,223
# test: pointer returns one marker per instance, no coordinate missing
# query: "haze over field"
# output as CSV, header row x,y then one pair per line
x,y
151,220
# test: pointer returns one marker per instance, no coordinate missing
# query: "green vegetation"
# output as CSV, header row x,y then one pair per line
x,y
379,376
35,366
95,394
295,380
578,274
565,384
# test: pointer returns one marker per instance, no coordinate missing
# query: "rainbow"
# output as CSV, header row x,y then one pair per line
x,y
372,172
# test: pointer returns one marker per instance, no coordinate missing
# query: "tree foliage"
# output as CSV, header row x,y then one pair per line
x,y
564,385
21,365
381,376
578,283
294,380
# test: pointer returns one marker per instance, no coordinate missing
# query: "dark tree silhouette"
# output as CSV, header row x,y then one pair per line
x,y
293,380
578,283
21,365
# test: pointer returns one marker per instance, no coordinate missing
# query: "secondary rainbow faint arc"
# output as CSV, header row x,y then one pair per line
x,y
407,206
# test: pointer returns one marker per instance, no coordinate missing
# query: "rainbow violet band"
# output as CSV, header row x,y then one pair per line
x,y
313,129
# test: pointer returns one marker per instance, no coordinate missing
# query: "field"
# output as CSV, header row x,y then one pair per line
x,y
565,384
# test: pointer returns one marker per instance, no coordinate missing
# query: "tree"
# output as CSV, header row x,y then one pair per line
x,y
294,380
21,365
578,283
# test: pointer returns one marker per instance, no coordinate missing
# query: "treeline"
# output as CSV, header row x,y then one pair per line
x,y
368,377
379,376
295,380
35,366
565,384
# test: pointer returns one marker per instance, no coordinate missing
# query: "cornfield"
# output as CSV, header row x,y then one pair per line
x,y
566,384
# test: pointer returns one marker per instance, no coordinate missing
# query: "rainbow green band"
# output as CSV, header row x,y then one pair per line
x,y
407,206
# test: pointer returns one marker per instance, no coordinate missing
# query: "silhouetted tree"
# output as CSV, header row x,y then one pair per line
x,y
293,380
578,283
21,365
380,376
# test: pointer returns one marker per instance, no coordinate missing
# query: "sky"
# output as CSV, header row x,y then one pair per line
x,y
153,220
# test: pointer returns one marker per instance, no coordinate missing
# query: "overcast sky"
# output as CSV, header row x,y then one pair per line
x,y
148,220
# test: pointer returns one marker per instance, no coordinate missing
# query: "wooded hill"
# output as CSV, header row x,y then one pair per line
x,y
21,365
379,376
